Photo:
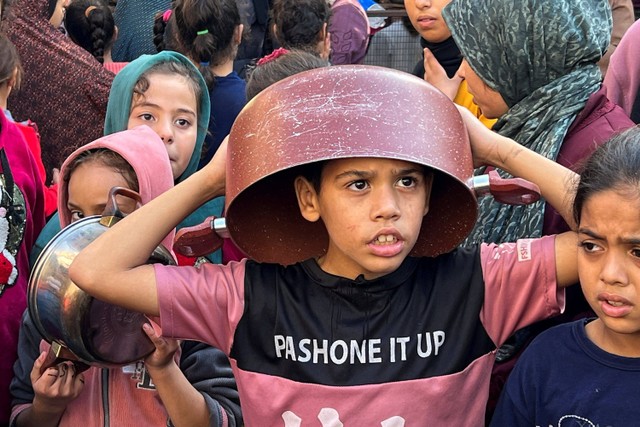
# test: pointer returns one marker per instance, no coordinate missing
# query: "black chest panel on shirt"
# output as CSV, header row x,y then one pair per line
x,y
418,322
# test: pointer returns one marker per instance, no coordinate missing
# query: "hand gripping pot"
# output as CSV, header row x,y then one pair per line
x,y
79,327
344,112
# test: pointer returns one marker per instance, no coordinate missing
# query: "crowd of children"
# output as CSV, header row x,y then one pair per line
x,y
361,280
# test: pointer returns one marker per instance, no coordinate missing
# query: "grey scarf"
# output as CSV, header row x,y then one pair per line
x,y
541,57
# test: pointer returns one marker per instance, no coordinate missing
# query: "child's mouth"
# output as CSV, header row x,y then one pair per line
x,y
385,239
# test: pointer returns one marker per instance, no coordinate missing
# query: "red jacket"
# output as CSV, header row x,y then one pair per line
x,y
598,121
32,137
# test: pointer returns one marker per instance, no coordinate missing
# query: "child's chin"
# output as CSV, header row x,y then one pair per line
x,y
382,269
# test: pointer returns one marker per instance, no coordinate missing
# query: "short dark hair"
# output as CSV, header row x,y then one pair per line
x,y
299,23
288,64
613,166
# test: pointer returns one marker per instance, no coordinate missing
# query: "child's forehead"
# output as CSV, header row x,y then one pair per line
x,y
370,164
170,88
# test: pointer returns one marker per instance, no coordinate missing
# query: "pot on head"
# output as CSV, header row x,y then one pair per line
x,y
77,325
344,112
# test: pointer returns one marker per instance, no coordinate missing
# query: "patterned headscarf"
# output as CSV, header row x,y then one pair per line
x,y
541,57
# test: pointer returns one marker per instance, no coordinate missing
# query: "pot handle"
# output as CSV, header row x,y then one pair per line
x,y
201,239
57,354
511,191
112,212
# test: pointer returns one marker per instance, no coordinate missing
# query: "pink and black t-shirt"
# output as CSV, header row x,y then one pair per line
x,y
411,348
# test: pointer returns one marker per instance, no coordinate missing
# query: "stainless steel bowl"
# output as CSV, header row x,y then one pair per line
x,y
95,332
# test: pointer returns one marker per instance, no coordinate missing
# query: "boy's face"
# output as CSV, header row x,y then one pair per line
x,y
426,18
169,107
609,268
372,209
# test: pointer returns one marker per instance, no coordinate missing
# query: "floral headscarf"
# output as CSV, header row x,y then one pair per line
x,y
541,56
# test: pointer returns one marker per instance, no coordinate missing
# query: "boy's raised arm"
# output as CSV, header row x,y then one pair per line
x,y
112,268
557,183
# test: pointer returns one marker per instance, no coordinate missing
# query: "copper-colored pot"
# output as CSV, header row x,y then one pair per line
x,y
340,112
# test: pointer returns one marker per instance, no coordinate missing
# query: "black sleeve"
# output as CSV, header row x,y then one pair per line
x,y
28,351
209,371
635,110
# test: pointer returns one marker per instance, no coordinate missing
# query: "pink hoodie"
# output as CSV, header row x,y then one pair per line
x,y
143,149
125,395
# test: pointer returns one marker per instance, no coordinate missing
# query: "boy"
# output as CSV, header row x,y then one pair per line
x,y
360,333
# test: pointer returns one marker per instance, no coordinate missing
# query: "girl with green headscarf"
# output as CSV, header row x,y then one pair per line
x,y
133,80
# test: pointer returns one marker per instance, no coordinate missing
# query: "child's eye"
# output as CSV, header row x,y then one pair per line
x,y
407,181
146,117
635,252
589,246
76,215
358,185
183,122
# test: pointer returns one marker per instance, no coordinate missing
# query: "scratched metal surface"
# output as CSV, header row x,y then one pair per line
x,y
338,112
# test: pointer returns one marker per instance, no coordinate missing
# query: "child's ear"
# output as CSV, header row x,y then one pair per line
x,y
307,199
237,34
325,42
14,78
428,183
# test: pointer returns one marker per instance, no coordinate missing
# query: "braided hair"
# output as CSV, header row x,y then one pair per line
x,y
90,25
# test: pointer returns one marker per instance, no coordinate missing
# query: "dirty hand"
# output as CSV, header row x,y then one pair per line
x,y
437,76
486,145
57,386
165,351
215,170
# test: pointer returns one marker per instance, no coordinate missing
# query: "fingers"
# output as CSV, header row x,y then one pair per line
x,y
432,66
59,384
39,361
166,348
154,336
55,176
435,74
64,374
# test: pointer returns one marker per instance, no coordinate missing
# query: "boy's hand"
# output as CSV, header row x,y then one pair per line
x,y
165,349
484,142
56,387
435,74
216,169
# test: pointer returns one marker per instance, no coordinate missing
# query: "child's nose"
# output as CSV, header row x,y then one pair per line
x,y
385,204
613,270
164,129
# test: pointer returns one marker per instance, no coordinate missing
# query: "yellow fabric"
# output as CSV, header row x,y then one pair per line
x,y
465,99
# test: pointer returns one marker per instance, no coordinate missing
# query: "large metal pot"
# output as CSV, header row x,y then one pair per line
x,y
77,325
340,112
